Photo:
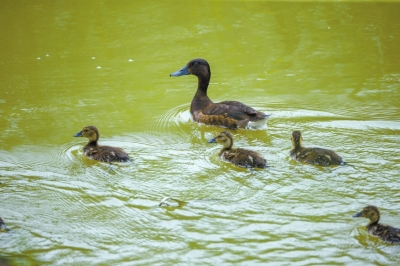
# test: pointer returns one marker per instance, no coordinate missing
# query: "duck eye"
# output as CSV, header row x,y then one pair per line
x,y
196,64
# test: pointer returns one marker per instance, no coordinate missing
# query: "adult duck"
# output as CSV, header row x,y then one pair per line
x,y
229,114
317,156
240,157
385,232
100,153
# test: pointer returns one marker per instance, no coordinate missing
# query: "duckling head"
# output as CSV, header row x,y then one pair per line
x,y
225,138
297,139
370,212
198,67
90,132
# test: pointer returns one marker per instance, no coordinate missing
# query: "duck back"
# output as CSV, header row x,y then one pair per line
x,y
229,114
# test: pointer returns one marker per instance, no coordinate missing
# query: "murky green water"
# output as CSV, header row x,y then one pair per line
x,y
331,70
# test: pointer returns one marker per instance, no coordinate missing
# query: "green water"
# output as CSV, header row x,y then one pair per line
x,y
329,69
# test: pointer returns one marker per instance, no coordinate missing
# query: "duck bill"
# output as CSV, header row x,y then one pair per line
x,y
358,214
79,134
213,140
181,72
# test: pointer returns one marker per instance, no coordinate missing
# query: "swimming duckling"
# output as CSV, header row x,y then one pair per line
x,y
385,232
240,157
318,156
100,153
230,114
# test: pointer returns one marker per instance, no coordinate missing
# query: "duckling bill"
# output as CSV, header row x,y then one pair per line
x,y
240,157
228,114
100,153
386,233
317,156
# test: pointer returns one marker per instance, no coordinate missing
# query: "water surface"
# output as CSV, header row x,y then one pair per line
x,y
329,69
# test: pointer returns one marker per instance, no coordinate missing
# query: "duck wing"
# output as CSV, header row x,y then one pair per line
x,y
232,109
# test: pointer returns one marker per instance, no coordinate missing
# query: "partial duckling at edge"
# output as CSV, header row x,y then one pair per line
x,y
229,114
317,156
240,157
100,153
387,233
2,224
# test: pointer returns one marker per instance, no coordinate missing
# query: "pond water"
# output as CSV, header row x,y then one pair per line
x,y
329,69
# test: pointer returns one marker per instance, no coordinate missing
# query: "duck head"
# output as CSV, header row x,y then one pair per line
x,y
198,67
370,212
90,132
225,138
297,139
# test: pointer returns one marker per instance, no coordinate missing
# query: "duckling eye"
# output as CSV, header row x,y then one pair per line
x,y
196,64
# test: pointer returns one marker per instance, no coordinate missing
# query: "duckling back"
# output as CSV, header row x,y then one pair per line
x,y
317,156
106,154
243,158
385,232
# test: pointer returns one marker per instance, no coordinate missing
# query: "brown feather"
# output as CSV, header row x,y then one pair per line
x,y
317,156
240,157
100,153
229,114
387,233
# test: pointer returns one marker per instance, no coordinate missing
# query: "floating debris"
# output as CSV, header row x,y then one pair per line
x,y
164,201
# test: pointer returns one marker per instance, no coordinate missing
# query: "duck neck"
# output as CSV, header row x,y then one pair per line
x,y
93,140
200,99
91,143
203,82
296,145
374,220
227,146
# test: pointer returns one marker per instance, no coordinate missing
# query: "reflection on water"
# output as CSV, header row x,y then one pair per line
x,y
327,69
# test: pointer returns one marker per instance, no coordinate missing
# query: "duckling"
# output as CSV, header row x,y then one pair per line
x,y
97,152
318,156
240,157
385,232
229,114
